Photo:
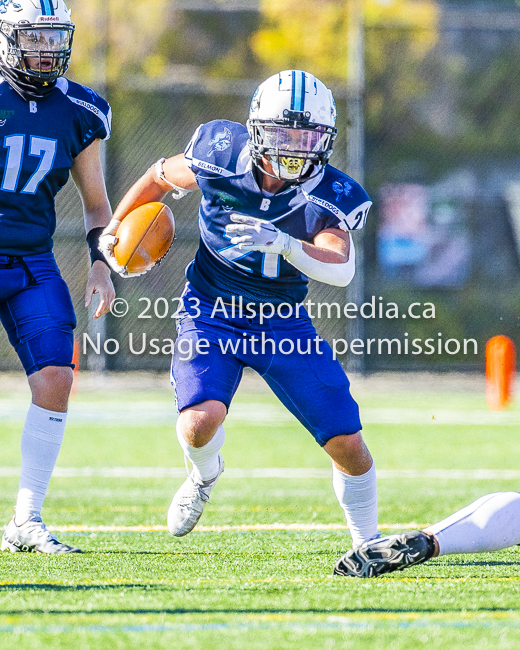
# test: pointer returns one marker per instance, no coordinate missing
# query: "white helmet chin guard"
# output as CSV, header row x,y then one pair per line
x,y
291,125
35,43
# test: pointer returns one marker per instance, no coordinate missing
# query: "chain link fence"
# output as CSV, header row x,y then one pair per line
x,y
155,124
472,196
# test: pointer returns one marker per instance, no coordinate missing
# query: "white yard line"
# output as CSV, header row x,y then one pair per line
x,y
271,472
162,413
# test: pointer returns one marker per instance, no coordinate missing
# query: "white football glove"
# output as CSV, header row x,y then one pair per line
x,y
252,234
106,246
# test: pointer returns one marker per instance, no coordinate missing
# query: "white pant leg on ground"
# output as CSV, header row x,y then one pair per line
x,y
488,524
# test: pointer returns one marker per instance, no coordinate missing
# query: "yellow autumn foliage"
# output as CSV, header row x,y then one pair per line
x,y
125,32
312,34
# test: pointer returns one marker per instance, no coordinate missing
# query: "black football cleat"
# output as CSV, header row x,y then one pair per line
x,y
379,556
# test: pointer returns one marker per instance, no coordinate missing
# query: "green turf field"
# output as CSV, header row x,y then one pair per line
x,y
258,572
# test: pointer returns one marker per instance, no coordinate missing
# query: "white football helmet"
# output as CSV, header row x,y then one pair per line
x,y
291,124
35,43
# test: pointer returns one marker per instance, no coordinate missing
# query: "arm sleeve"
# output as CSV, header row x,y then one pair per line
x,y
338,275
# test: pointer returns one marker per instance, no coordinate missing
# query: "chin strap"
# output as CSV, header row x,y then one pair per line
x,y
28,91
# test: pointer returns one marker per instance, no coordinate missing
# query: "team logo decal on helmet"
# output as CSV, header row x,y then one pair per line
x,y
291,126
341,189
221,141
35,44
4,4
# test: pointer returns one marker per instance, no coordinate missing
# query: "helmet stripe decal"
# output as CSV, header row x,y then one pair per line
x,y
47,8
298,90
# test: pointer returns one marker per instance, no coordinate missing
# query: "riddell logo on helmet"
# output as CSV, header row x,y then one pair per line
x,y
48,19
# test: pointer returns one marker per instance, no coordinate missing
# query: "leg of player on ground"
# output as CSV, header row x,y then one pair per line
x,y
354,482
488,524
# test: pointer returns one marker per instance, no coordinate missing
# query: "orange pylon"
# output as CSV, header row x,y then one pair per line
x,y
500,371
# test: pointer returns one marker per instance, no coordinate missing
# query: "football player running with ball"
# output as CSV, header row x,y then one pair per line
x,y
49,126
273,213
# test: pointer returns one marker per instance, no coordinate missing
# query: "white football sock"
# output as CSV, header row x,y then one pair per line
x,y
42,436
357,495
204,459
489,524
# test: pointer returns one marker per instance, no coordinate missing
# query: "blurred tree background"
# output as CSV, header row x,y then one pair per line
x,y
441,108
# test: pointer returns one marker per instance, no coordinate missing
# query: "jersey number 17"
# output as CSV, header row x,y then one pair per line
x,y
44,148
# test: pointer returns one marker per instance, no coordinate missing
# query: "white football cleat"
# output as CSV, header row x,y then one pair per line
x,y
188,503
32,537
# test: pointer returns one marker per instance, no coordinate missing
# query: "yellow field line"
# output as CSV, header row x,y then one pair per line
x,y
318,579
421,615
222,529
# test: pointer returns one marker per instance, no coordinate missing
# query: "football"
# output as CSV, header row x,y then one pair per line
x,y
144,237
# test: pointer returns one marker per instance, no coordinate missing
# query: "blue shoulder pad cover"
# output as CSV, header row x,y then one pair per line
x,y
96,111
341,198
215,148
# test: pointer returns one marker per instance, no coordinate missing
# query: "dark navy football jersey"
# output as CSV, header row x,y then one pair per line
x,y
38,143
218,154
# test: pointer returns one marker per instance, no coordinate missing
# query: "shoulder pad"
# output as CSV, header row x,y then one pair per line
x,y
90,102
337,194
218,148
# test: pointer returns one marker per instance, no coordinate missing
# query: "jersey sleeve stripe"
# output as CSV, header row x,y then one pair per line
x,y
63,85
188,152
109,120
244,162
106,119
354,220
209,167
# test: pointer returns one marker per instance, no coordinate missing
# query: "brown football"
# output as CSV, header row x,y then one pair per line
x,y
144,237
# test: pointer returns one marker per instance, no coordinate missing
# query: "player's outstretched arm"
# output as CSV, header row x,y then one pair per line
x,y
87,173
153,186
330,259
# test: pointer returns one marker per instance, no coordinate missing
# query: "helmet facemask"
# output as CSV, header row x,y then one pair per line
x,y
296,148
37,53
